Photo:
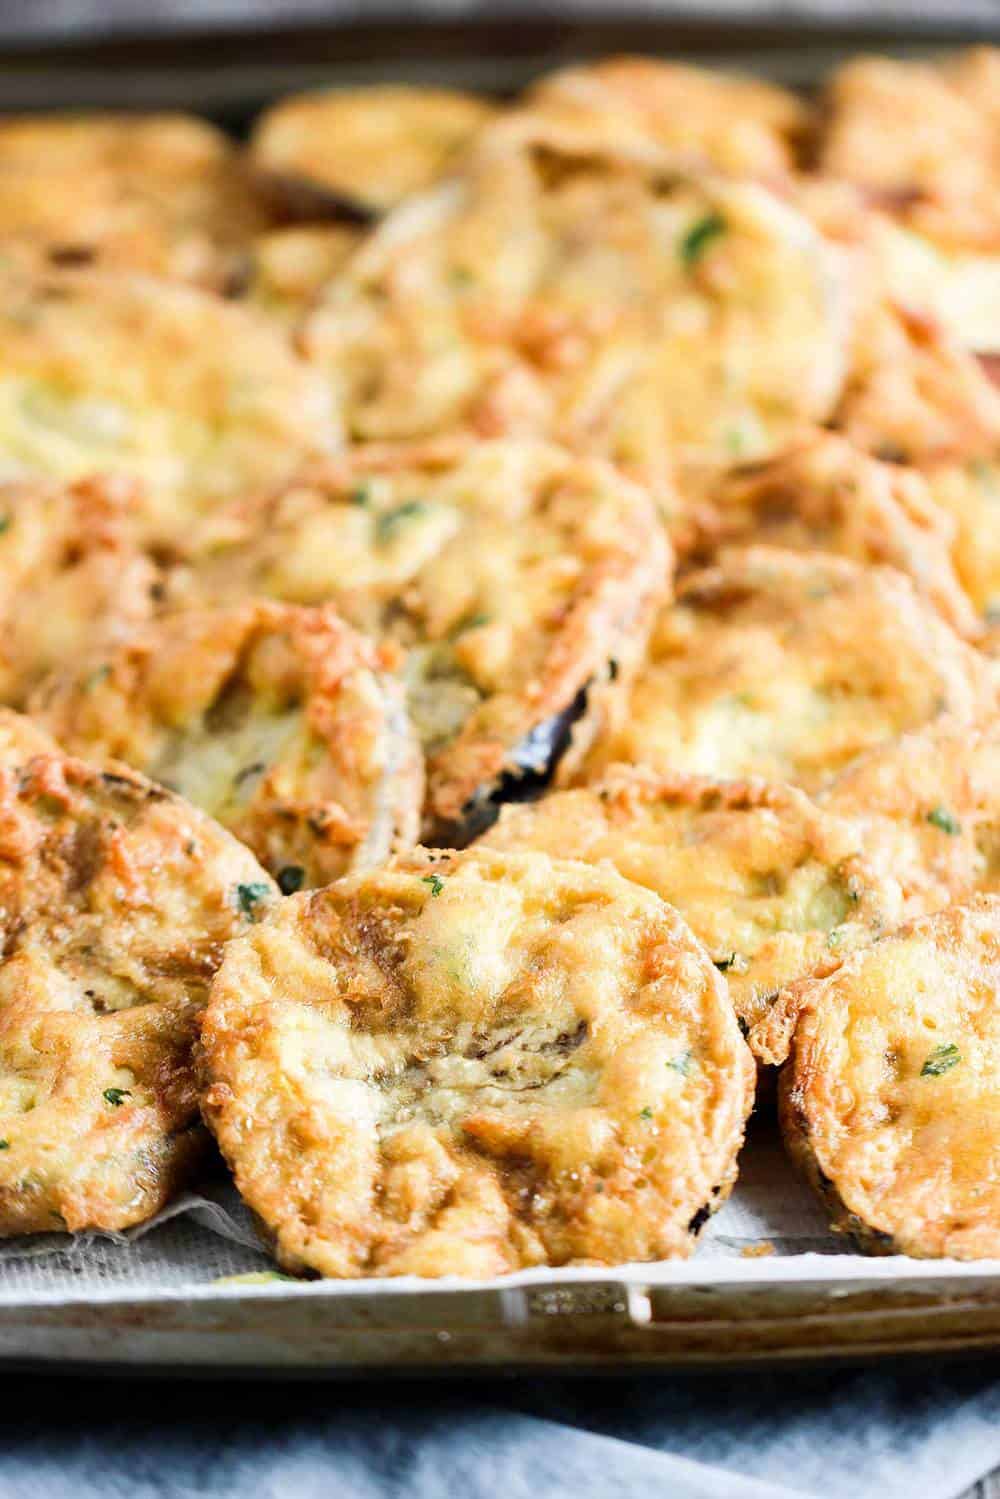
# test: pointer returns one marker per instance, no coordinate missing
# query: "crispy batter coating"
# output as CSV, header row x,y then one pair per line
x,y
702,118
282,723
970,495
789,666
471,1063
73,575
929,809
160,382
924,138
827,496
774,887
116,899
165,194
914,395
521,580
368,146
21,738
287,269
595,299
890,1102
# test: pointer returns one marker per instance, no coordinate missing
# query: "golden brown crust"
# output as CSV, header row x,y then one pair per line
x,y
199,399
922,137
281,722
914,395
593,298
928,807
826,496
789,666
22,738
116,899
701,117
368,146
73,575
466,1064
165,194
521,580
889,1101
772,886
969,494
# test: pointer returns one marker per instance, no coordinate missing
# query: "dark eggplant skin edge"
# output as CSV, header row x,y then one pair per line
x,y
297,200
533,765
795,1133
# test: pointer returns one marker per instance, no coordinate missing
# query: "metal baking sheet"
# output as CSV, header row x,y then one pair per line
x,y
710,1312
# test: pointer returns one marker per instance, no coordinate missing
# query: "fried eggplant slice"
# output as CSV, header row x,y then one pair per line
x,y
789,666
282,723
468,1064
774,887
703,118
923,139
116,901
598,300
928,807
73,575
521,581
199,399
827,496
890,1101
288,268
367,149
160,193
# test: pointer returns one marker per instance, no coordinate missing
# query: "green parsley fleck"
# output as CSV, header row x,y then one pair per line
x,y
734,961
254,1278
389,522
435,881
835,938
942,1059
735,440
247,896
942,818
698,238
4,1144
646,1113
681,1063
290,878
117,1096
97,676
361,496
5,523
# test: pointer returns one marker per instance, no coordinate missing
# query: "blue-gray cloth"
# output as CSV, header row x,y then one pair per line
x,y
923,1432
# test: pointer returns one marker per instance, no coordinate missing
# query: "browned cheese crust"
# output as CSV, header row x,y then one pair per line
x,y
22,738
774,887
929,810
198,399
469,1064
789,666
890,1103
522,582
281,722
166,194
559,288
827,496
73,575
116,899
